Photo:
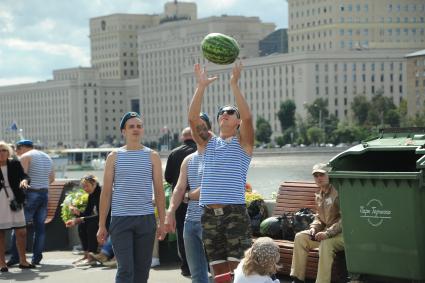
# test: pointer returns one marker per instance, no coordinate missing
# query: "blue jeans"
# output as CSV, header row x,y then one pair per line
x,y
107,248
35,212
195,253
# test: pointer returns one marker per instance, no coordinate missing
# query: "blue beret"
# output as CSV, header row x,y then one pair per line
x,y
205,117
25,142
128,116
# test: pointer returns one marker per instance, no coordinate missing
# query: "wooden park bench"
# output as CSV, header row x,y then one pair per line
x,y
57,191
291,197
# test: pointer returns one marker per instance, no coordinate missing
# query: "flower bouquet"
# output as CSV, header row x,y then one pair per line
x,y
77,198
251,195
256,207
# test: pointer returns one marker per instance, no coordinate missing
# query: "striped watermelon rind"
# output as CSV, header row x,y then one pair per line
x,y
220,48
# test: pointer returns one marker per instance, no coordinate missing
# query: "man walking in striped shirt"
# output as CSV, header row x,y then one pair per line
x,y
132,174
39,167
225,221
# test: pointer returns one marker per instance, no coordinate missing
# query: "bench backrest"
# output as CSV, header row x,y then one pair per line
x,y
56,191
293,196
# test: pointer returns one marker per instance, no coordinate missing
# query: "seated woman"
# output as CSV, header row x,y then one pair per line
x,y
87,220
12,182
259,263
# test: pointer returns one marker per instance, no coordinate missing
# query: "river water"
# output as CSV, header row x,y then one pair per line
x,y
266,171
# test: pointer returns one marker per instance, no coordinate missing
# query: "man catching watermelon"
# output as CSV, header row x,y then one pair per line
x,y
225,221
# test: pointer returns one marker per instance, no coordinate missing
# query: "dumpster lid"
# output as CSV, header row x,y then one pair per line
x,y
398,137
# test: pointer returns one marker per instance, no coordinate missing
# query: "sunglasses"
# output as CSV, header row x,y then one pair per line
x,y
228,111
3,150
317,174
89,178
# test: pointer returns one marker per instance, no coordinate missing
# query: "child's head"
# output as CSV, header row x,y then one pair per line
x,y
262,257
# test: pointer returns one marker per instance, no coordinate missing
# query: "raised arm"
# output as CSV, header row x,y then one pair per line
x,y
195,122
177,196
105,197
246,128
158,188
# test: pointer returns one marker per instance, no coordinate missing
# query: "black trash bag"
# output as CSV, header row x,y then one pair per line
x,y
303,219
272,227
257,211
288,226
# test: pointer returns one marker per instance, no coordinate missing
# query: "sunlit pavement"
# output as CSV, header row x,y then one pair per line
x,y
57,267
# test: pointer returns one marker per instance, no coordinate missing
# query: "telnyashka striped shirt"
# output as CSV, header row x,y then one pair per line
x,y
132,190
225,168
194,176
41,165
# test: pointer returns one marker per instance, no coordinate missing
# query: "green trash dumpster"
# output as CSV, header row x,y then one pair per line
x,y
382,198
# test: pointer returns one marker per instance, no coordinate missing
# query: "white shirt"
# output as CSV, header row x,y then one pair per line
x,y
240,277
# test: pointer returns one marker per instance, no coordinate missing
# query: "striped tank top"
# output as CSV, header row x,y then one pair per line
x,y
40,167
225,168
194,176
132,190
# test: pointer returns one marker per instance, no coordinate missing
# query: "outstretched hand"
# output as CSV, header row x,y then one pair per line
x,y
202,76
236,73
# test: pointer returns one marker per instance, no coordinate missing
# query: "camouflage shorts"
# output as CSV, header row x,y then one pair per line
x,y
226,236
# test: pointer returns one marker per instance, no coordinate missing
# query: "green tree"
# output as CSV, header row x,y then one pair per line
x,y
392,118
402,110
301,136
279,141
381,106
263,131
286,114
317,112
360,107
316,135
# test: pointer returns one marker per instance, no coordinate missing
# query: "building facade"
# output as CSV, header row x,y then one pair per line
x,y
168,50
415,66
74,109
328,25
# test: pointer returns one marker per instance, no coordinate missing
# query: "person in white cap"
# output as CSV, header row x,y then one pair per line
x,y
325,231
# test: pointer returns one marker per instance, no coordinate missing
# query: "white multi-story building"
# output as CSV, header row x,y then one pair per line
x,y
168,49
73,109
113,38
327,25
415,82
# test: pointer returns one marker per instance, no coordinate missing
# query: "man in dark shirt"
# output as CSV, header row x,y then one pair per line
x,y
172,171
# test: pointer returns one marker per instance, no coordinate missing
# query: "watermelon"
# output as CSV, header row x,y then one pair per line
x,y
272,227
220,48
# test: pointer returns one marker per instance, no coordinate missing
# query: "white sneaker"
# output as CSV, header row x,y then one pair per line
x,y
155,262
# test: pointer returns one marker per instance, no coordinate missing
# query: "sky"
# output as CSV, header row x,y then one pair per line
x,y
39,36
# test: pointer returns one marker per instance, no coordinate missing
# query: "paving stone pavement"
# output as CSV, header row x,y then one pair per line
x,y
57,267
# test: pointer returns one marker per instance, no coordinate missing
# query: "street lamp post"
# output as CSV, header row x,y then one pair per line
x,y
320,118
320,115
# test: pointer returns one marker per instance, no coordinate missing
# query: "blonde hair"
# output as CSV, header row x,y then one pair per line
x,y
261,258
89,178
8,147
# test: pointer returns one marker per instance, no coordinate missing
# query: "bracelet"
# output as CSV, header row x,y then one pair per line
x,y
186,195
